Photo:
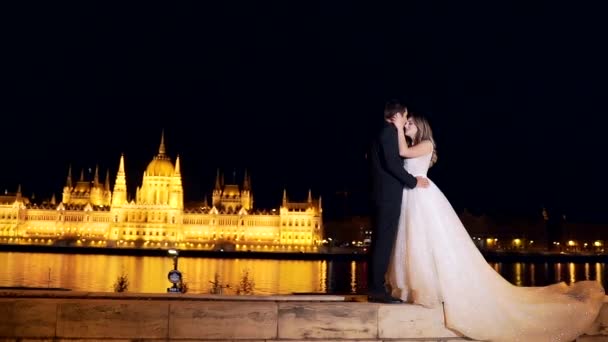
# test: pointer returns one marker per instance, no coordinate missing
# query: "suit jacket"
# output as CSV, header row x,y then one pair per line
x,y
388,177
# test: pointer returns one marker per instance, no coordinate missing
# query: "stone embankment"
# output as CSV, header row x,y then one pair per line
x,y
27,315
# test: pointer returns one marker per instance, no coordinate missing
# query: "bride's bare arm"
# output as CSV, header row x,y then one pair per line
x,y
402,142
424,147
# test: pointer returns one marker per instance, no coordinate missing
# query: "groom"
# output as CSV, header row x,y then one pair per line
x,y
388,180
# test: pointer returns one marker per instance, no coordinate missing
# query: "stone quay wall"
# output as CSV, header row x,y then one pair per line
x,y
83,316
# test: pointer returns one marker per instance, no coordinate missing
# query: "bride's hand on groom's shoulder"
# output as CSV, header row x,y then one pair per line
x,y
422,182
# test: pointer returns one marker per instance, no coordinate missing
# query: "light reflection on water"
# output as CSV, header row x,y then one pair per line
x,y
98,273
539,274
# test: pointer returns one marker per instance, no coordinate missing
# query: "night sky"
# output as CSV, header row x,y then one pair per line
x,y
294,93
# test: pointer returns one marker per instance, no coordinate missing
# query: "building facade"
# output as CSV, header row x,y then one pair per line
x,y
90,214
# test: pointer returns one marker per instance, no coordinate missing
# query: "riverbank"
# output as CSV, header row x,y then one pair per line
x,y
332,254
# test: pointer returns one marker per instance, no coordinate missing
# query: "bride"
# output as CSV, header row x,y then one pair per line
x,y
435,262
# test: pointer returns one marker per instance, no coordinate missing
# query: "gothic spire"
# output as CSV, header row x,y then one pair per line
x,y
107,182
177,167
246,181
162,151
284,197
218,186
68,181
96,177
161,148
121,165
119,196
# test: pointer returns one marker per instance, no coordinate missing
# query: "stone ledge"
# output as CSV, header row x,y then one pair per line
x,y
116,317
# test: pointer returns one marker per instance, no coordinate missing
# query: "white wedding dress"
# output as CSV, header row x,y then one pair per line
x,y
434,260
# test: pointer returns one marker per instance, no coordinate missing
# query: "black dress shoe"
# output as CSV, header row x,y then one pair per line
x,y
384,299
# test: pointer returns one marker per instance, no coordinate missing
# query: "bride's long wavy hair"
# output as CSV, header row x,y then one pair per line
x,y
424,133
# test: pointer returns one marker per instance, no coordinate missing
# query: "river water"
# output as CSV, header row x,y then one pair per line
x,y
148,274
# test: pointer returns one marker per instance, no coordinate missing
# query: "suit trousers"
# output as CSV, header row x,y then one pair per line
x,y
385,221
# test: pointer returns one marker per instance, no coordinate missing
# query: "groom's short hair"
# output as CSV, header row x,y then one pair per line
x,y
393,107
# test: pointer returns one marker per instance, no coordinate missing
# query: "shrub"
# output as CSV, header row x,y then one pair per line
x,y
121,284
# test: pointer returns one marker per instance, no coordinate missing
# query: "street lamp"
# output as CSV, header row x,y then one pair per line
x,y
174,276
174,253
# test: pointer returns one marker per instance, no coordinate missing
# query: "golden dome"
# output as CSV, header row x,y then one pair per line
x,y
161,164
160,167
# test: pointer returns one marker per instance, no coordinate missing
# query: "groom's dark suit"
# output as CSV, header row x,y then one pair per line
x,y
388,180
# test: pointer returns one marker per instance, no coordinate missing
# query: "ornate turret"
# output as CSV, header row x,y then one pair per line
x,y
246,182
18,194
14,198
96,177
67,189
119,196
176,196
218,186
81,193
161,148
310,204
284,197
96,192
232,197
106,185
107,192
246,195
217,190
177,167
304,217
68,182
85,191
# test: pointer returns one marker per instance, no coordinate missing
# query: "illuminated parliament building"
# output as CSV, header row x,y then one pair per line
x,y
91,214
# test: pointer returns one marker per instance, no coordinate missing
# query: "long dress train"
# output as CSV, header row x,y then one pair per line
x,y
435,261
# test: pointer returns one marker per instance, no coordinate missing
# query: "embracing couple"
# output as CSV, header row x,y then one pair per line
x,y
422,254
